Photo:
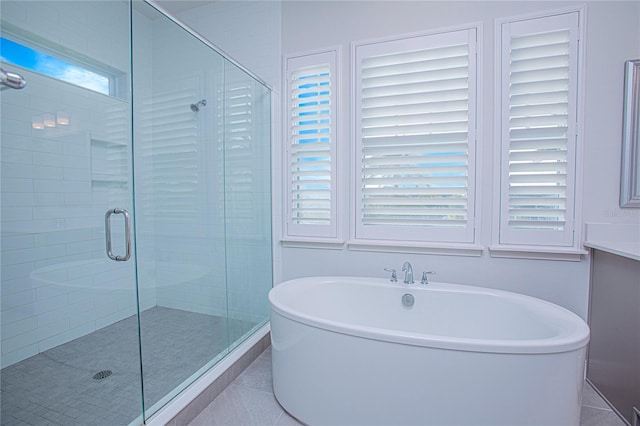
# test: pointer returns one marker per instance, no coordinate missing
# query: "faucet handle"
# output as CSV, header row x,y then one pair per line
x,y
394,276
424,277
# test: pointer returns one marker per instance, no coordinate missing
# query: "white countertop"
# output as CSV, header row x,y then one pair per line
x,y
619,239
626,249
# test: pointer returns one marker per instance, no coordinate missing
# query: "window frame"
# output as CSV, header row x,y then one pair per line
x,y
537,244
301,233
412,238
117,86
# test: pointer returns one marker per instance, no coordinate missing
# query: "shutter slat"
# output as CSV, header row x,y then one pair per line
x,y
432,170
424,118
558,180
406,201
422,222
534,202
443,96
407,160
535,167
415,180
557,155
414,129
440,107
425,192
450,77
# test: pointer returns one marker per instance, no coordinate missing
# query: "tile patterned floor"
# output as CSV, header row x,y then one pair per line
x,y
249,401
56,386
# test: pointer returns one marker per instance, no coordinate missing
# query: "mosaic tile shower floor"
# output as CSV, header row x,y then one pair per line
x,y
56,387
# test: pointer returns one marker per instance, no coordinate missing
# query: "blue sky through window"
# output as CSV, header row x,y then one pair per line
x,y
26,57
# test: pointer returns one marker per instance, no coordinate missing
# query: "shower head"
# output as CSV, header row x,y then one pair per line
x,y
196,107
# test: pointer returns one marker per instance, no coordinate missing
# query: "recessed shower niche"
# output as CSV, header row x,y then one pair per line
x,y
109,164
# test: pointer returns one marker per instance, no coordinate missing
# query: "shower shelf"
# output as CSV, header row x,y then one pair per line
x,y
109,164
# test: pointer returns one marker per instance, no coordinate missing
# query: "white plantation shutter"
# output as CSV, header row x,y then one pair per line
x,y
539,110
416,138
311,145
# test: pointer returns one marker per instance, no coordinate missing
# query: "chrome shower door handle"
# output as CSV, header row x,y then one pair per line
x,y
127,233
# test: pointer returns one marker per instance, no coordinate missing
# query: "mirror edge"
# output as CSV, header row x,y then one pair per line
x,y
629,178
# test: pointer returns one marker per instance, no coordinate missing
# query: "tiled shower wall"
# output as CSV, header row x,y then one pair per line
x,y
58,182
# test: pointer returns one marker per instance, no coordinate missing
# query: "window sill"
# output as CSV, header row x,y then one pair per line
x,y
316,243
446,249
570,254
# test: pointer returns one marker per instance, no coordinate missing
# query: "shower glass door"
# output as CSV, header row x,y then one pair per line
x,y
179,196
70,352
202,193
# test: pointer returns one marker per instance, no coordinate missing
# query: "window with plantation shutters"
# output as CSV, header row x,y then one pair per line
x,y
311,145
539,92
415,138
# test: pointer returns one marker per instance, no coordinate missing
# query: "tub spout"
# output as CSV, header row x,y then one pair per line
x,y
408,273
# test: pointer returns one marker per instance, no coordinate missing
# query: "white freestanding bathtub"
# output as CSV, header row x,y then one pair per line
x,y
350,351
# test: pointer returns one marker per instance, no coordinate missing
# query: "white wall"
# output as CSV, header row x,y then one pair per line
x,y
612,36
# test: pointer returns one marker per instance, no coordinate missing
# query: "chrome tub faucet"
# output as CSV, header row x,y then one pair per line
x,y
408,273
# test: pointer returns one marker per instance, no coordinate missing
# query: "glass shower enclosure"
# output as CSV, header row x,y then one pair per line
x,y
135,210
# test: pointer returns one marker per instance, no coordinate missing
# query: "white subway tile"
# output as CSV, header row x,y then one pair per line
x,y
84,247
82,314
65,336
17,313
32,254
50,212
17,185
18,355
50,304
47,145
51,291
77,174
50,199
16,242
88,269
21,298
15,272
16,199
51,328
14,127
31,171
71,36
41,185
54,316
17,113
48,276
63,236
78,198
112,318
18,327
19,341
